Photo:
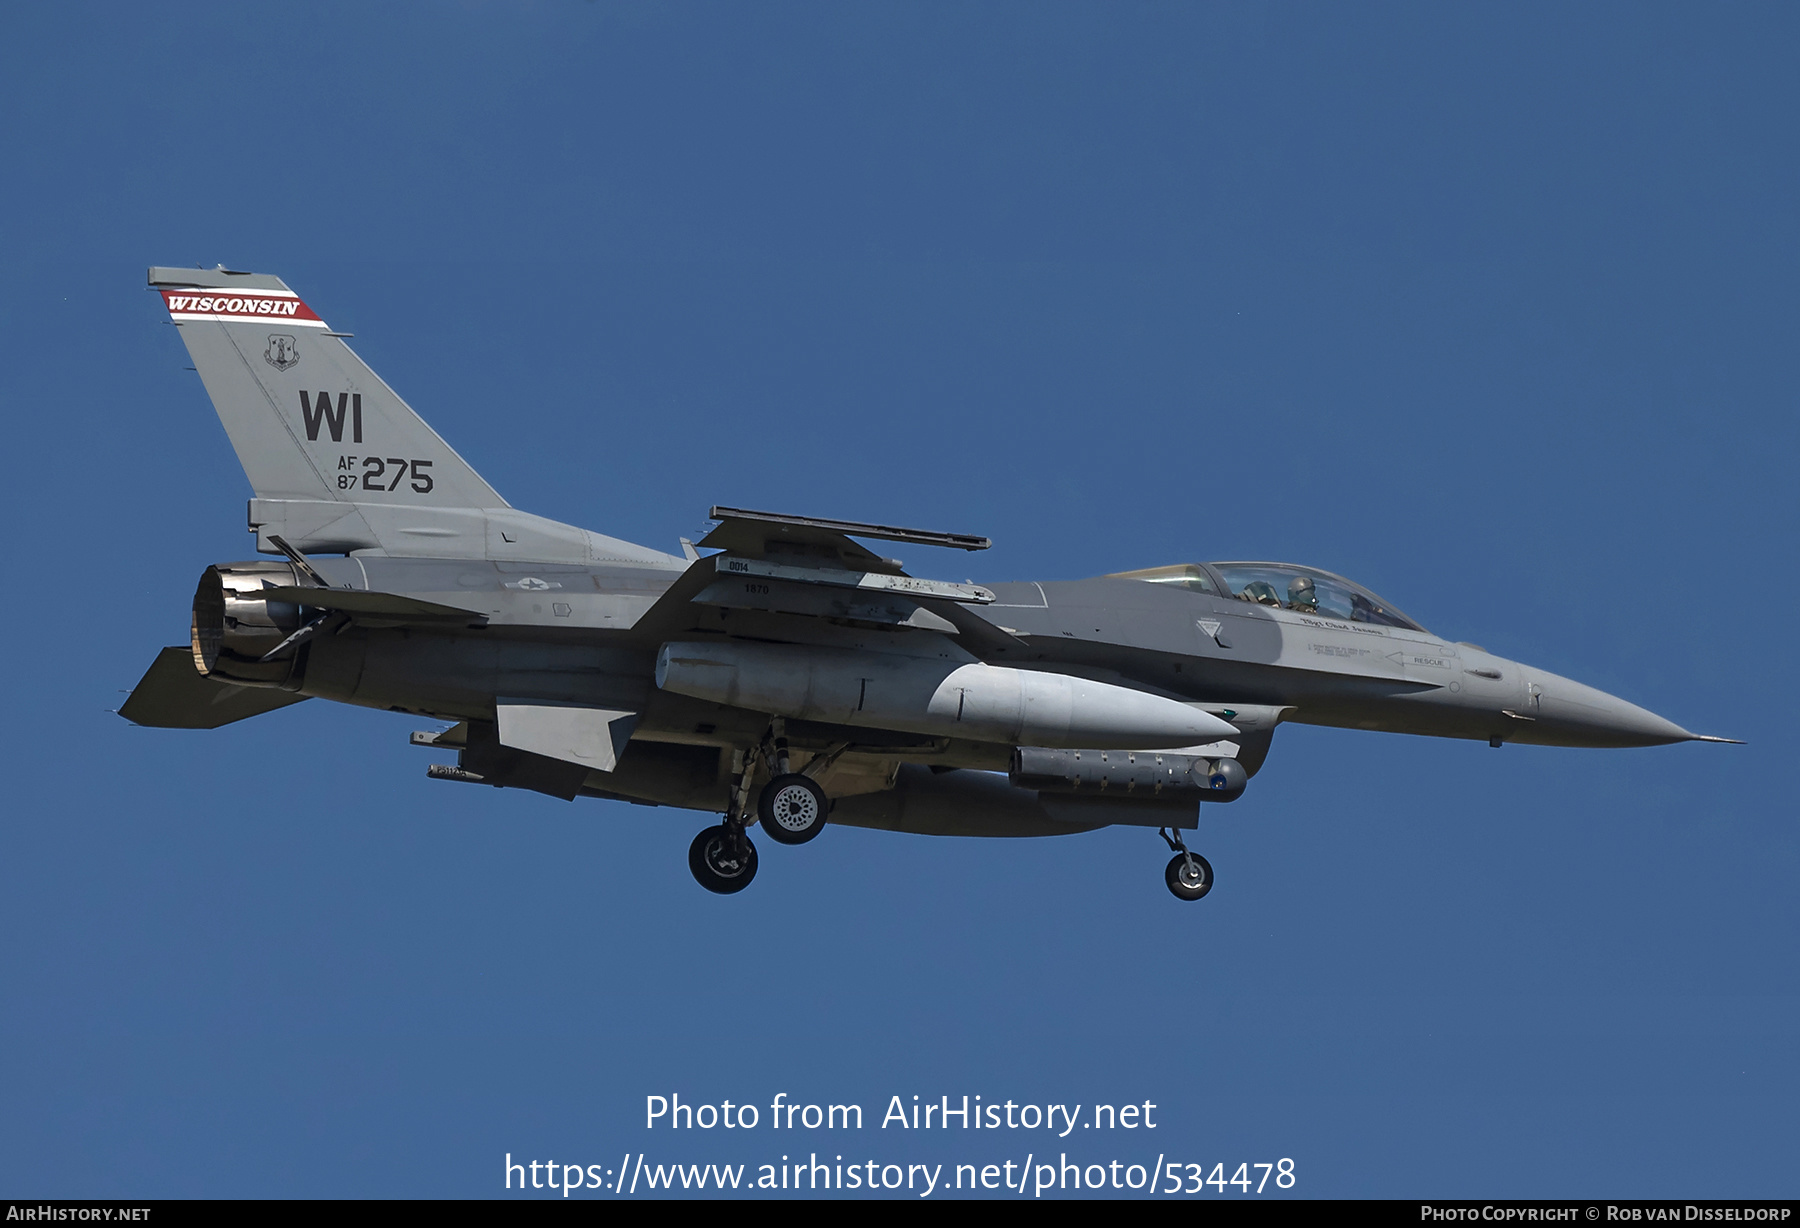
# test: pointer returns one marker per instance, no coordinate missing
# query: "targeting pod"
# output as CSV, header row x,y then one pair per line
x,y
1138,773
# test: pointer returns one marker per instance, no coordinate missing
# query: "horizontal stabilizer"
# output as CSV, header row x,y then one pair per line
x,y
174,695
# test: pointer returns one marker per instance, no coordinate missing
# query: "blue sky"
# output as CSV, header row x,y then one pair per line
x,y
1491,308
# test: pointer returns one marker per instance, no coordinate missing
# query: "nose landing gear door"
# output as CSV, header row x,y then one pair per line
x,y
1525,699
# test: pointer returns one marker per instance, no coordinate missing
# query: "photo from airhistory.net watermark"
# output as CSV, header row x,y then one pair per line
x,y
1006,1147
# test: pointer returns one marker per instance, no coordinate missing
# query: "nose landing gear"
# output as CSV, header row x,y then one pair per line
x,y
1189,875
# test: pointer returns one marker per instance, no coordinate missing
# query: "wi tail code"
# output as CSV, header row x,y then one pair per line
x,y
317,412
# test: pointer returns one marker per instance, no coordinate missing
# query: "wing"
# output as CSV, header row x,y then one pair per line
x,y
792,579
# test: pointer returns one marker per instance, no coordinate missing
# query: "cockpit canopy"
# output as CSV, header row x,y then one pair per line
x,y
1282,586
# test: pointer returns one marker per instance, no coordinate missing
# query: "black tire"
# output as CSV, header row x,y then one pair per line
x,y
713,866
792,809
1180,878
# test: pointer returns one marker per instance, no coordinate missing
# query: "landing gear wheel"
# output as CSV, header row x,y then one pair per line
x,y
721,863
792,808
1189,880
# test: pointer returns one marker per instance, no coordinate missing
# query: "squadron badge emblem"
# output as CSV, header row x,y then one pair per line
x,y
282,352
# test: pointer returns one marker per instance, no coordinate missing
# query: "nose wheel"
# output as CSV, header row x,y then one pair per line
x,y
1189,875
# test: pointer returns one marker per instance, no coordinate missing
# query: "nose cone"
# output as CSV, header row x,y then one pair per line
x,y
1566,713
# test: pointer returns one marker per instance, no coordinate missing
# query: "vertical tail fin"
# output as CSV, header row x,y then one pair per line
x,y
337,460
308,418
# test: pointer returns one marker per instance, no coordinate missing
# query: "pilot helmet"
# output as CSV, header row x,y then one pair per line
x,y
1301,592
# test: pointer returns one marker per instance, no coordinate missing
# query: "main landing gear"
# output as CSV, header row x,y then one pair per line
x,y
792,808
1189,875
723,859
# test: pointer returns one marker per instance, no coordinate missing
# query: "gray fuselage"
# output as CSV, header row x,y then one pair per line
x,y
579,634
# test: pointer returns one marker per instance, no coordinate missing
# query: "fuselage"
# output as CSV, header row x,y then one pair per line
x,y
1329,671
579,634
796,660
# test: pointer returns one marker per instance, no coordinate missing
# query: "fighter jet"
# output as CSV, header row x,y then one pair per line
x,y
790,677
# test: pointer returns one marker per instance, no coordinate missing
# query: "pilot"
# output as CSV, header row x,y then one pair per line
x,y
1302,596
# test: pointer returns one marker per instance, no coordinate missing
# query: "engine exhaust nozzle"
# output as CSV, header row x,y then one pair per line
x,y
233,627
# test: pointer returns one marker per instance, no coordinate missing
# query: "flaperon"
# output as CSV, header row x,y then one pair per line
x,y
793,676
